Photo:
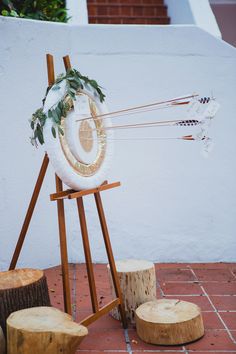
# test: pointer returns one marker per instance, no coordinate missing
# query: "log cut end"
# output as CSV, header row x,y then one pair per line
x,y
137,280
44,329
17,278
169,322
20,289
132,265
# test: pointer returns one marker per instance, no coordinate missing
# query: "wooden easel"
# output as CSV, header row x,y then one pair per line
x,y
59,197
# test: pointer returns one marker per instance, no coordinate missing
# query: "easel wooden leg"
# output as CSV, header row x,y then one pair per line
x,y
110,255
29,213
61,216
63,249
87,253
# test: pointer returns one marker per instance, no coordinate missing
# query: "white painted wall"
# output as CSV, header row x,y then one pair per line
x,y
173,205
77,11
196,12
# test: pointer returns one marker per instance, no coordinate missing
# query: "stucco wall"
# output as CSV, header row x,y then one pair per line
x,y
194,12
173,205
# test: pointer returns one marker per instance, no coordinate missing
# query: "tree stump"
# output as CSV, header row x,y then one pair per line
x,y
138,285
169,322
20,289
2,342
43,330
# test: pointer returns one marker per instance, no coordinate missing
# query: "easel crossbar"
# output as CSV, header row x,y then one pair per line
x,y
102,311
71,194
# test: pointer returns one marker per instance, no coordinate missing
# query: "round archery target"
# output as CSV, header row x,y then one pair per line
x,y
81,156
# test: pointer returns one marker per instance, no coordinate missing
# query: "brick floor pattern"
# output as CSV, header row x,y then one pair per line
x,y
212,286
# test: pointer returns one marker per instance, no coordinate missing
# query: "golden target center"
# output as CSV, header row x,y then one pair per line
x,y
86,136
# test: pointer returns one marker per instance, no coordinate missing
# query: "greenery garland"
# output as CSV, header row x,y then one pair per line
x,y
74,82
53,10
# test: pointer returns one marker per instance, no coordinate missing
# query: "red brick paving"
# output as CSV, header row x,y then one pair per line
x,y
224,303
229,319
214,275
181,288
175,275
212,321
211,286
220,288
213,340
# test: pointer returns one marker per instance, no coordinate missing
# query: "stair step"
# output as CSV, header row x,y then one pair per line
x,y
144,2
139,20
114,9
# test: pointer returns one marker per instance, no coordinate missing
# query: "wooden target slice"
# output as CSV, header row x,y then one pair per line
x,y
43,330
169,322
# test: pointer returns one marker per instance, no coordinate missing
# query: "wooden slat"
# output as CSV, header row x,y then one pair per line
x,y
63,249
61,195
110,256
61,216
87,253
50,68
79,194
72,194
93,190
67,63
102,311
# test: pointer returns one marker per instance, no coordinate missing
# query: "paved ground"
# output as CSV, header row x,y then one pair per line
x,y
211,286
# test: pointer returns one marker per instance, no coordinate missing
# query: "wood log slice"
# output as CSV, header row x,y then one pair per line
x,y
20,289
138,285
2,342
169,322
43,330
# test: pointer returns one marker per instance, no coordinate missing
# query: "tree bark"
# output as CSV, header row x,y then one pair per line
x,y
20,289
138,285
169,322
2,342
43,330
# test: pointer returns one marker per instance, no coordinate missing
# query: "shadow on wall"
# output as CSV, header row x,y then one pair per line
x,y
226,18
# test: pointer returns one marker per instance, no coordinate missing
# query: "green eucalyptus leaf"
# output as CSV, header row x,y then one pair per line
x,y
54,132
94,83
60,130
40,134
54,116
56,88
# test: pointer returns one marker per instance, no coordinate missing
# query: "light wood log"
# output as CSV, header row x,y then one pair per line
x,y
2,342
138,285
43,330
169,322
19,289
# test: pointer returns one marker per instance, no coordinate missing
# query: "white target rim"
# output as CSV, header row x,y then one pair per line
x,y
56,155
